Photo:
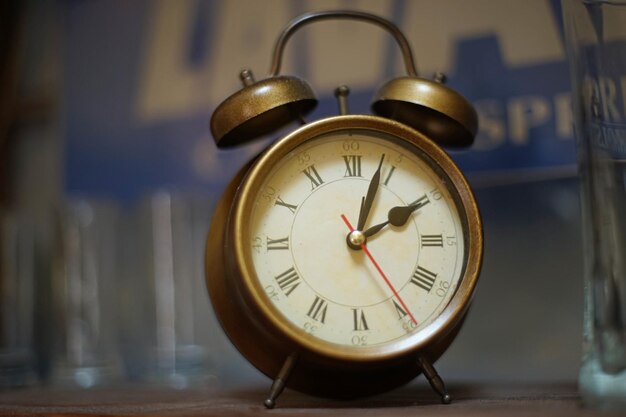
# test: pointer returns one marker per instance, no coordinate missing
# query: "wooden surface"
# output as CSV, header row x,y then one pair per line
x,y
468,401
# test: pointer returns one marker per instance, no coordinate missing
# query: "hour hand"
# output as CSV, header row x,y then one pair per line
x,y
398,216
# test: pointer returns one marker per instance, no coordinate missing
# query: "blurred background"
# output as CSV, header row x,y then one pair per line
x,y
108,175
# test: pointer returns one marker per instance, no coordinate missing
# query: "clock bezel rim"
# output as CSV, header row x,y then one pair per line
x,y
273,320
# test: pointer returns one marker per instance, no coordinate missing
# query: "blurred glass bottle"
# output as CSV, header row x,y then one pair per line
x,y
596,41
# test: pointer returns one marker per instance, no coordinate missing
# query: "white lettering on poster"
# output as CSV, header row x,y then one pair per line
x,y
527,32
244,35
515,117
245,32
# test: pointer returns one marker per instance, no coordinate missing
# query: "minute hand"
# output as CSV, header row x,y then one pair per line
x,y
397,216
369,197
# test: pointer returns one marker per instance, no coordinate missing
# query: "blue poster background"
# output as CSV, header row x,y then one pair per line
x,y
524,111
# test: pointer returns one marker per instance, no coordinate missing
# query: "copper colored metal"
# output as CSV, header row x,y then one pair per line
x,y
263,335
260,108
429,107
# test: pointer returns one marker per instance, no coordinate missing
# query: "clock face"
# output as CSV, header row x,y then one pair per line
x,y
347,294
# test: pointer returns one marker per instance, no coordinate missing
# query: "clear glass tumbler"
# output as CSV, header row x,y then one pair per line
x,y
18,269
85,296
596,41
168,334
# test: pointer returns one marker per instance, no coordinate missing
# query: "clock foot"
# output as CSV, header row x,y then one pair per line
x,y
434,379
279,383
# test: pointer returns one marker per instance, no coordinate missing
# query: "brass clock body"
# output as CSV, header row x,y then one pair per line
x,y
341,262
261,331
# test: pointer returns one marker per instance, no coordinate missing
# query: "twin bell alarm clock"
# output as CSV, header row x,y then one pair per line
x,y
342,260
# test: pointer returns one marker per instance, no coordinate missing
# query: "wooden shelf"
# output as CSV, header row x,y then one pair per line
x,y
468,401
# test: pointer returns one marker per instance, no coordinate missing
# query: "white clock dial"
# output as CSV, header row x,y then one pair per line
x,y
311,275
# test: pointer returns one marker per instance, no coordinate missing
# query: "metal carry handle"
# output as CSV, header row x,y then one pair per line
x,y
307,18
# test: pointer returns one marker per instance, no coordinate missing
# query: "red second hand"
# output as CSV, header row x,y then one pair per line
x,y
380,271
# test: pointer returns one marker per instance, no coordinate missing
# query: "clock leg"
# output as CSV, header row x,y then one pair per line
x,y
434,379
279,383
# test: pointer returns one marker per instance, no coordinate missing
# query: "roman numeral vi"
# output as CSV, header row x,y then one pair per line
x,y
359,319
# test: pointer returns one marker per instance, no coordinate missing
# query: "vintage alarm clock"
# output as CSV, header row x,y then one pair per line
x,y
342,261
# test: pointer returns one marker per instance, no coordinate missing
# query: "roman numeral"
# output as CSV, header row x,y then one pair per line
x,y
420,202
280,202
399,310
389,174
360,324
288,281
353,165
432,241
318,310
277,244
313,175
423,278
